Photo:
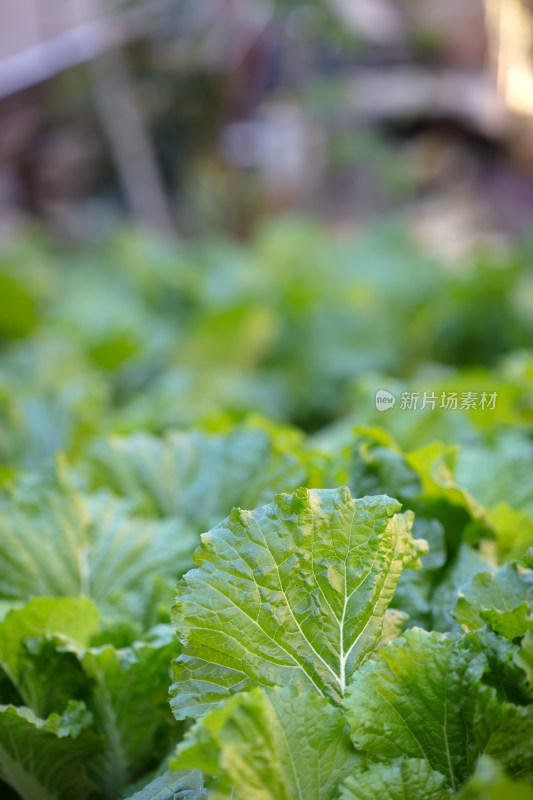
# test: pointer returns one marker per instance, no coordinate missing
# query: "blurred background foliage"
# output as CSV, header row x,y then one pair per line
x,y
211,209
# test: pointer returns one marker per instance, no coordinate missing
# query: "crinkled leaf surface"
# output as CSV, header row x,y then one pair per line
x,y
292,593
403,779
503,600
424,698
46,759
272,744
408,703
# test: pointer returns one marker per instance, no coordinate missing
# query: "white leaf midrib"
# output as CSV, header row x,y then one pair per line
x,y
340,676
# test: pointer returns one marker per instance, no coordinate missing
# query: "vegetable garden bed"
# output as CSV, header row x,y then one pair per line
x,y
225,571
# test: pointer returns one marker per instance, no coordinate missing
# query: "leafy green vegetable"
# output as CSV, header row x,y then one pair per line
x,y
275,744
416,591
44,652
426,698
504,600
129,703
423,479
56,540
47,758
435,464
409,704
498,472
199,477
402,779
51,399
504,671
21,632
143,364
294,592
467,563
445,515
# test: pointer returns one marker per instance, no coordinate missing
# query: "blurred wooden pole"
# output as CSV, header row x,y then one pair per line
x,y
129,142
510,27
